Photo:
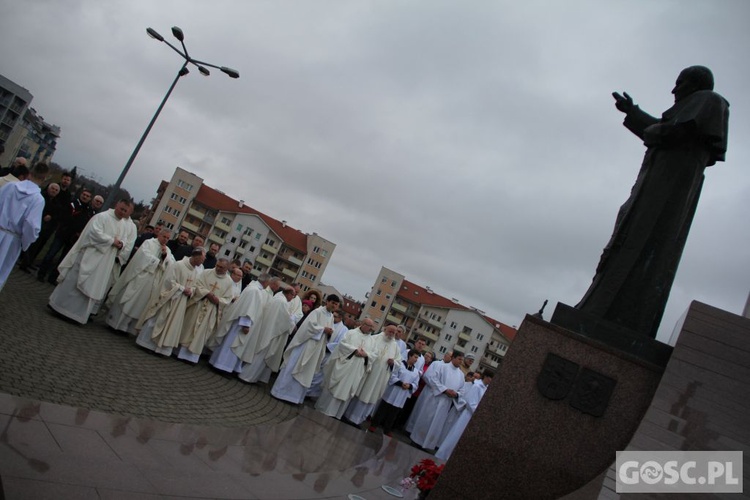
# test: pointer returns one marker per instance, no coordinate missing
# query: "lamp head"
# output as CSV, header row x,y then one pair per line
x,y
153,34
203,70
233,73
178,34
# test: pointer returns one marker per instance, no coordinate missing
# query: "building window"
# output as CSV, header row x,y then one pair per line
x,y
226,221
378,292
169,225
442,349
270,242
248,231
466,330
257,236
448,338
393,283
474,348
252,249
221,234
384,280
388,296
382,308
373,304
239,228
178,198
226,253
454,324
184,185
480,337
233,240
324,253
461,343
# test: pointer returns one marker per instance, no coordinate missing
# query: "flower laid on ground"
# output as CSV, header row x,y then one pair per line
x,y
424,474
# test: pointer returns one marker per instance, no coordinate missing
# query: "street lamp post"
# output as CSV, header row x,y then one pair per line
x,y
201,65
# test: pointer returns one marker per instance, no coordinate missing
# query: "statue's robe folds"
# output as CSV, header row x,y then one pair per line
x,y
638,265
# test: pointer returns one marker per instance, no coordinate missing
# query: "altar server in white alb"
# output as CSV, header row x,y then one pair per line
x,y
305,353
94,262
161,324
429,428
212,293
373,385
240,317
21,207
402,385
352,358
465,406
270,335
130,295
339,330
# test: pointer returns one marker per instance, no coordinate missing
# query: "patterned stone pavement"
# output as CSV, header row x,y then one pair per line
x,y
46,358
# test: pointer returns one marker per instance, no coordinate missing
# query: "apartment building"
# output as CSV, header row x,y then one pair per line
x,y
271,246
445,323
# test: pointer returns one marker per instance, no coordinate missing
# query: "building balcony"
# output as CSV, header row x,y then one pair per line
x,y
464,336
255,272
398,307
262,261
196,213
288,272
393,319
247,237
222,226
190,227
240,250
437,324
269,248
294,260
216,239
425,334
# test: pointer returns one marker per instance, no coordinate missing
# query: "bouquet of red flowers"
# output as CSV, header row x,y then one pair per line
x,y
425,474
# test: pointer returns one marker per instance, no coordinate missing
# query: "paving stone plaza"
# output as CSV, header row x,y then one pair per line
x,y
85,413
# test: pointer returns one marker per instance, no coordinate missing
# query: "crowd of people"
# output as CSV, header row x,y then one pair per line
x,y
179,299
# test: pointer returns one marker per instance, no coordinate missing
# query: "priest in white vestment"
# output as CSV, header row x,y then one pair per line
x,y
130,295
402,385
212,293
352,358
93,263
21,207
305,353
339,330
468,400
295,305
161,323
373,386
246,311
429,428
266,339
427,377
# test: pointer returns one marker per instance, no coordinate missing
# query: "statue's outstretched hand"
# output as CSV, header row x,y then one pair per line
x,y
624,104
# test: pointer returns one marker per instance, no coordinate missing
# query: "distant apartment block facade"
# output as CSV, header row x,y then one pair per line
x,y
271,246
22,131
444,323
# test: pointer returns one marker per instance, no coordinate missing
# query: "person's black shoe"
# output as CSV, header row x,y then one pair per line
x,y
24,268
40,278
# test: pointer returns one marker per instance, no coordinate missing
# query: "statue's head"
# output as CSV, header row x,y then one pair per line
x,y
691,80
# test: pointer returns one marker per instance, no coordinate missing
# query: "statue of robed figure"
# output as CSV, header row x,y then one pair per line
x,y
638,265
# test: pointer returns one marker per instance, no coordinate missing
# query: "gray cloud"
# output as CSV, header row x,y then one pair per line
x,y
472,147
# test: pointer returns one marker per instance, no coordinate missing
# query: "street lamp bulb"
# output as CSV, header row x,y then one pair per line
x,y
178,34
153,34
233,73
204,71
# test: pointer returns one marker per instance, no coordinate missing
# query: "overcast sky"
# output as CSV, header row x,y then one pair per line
x,y
471,146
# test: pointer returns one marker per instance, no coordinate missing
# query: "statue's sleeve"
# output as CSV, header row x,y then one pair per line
x,y
637,120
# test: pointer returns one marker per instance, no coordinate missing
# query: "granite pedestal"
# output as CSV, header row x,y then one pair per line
x,y
553,417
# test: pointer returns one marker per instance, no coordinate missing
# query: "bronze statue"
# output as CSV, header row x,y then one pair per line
x,y
638,265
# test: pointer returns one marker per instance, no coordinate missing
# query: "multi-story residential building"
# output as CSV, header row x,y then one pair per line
x,y
22,131
271,246
350,307
444,323
14,100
